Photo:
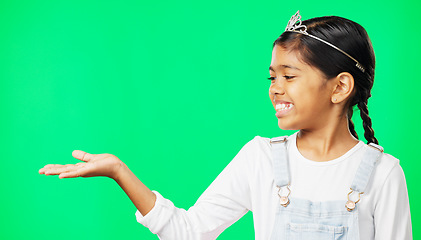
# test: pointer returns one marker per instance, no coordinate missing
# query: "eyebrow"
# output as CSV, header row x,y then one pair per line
x,y
284,66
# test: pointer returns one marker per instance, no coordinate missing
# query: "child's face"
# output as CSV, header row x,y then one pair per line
x,y
301,92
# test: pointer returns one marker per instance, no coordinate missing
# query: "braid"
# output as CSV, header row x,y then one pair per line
x,y
368,131
351,124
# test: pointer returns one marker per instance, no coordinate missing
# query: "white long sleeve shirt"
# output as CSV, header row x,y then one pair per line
x,y
247,183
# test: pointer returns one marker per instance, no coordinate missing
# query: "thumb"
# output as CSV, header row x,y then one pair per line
x,y
81,155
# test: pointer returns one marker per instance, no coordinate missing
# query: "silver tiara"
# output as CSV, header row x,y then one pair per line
x,y
294,25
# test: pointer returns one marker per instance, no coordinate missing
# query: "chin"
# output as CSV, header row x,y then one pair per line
x,y
287,126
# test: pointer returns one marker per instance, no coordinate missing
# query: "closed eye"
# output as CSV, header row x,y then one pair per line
x,y
272,78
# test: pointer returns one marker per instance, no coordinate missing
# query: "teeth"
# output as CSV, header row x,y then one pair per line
x,y
283,106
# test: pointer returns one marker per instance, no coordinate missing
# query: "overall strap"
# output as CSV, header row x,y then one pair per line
x,y
366,167
364,172
280,161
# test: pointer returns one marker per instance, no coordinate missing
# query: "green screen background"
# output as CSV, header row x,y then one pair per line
x,y
174,89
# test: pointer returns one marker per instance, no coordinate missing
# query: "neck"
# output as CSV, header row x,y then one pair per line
x,y
326,143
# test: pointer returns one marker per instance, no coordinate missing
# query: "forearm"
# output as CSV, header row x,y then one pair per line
x,y
143,198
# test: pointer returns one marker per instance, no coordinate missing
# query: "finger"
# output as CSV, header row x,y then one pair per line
x,y
51,165
48,167
81,155
60,169
72,174
51,168
79,171
42,170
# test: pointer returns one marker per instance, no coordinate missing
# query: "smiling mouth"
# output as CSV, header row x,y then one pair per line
x,y
283,106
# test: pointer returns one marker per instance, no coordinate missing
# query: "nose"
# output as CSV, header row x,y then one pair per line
x,y
276,88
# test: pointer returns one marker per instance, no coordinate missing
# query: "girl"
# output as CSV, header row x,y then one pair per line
x,y
319,183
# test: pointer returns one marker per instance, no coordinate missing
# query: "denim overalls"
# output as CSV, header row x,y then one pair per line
x,y
298,219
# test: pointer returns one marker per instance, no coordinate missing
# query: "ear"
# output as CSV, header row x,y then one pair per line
x,y
344,87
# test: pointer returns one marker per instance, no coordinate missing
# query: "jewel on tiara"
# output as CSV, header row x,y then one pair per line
x,y
295,25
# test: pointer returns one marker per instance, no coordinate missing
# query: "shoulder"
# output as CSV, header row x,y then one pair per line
x,y
264,142
387,166
261,147
261,143
256,147
388,173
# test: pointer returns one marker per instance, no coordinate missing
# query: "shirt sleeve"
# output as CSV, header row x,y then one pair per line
x,y
392,216
225,201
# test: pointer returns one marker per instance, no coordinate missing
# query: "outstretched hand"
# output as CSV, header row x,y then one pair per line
x,y
93,165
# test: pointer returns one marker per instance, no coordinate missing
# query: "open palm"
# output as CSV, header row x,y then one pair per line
x,y
92,165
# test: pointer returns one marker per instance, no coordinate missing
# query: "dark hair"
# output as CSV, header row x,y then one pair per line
x,y
351,38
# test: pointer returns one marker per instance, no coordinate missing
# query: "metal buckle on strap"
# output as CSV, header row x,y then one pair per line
x,y
284,198
350,205
278,140
377,147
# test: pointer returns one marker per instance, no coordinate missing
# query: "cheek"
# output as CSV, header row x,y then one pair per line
x,y
307,99
315,102
271,98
